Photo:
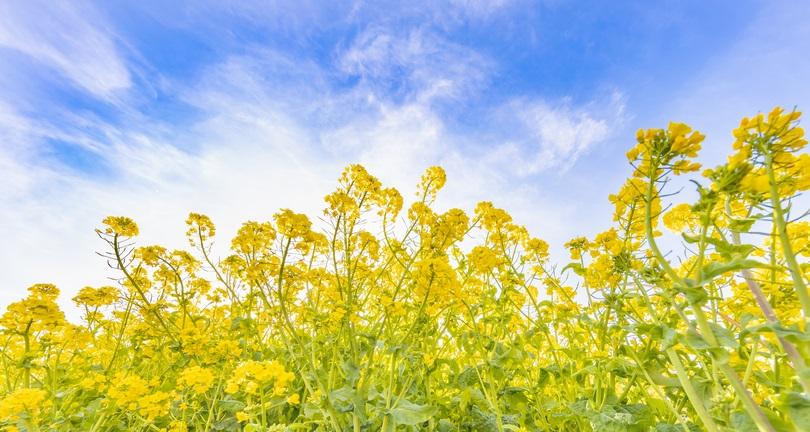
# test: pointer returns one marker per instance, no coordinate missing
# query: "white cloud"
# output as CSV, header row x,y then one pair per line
x,y
399,140
561,135
68,36
480,8
419,64
548,136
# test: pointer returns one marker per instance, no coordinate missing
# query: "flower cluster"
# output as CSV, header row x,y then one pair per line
x,y
253,377
672,148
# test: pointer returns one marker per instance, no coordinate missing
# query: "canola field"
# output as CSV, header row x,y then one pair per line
x,y
388,314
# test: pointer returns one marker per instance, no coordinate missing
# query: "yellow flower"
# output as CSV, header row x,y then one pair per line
x,y
536,248
492,218
154,405
127,391
38,309
197,378
44,291
680,217
629,204
435,283
435,305
150,255
93,381
756,182
292,225
483,259
96,297
253,376
576,247
253,237
391,202
26,401
341,204
432,182
421,214
200,228
120,225
446,229
670,148
177,426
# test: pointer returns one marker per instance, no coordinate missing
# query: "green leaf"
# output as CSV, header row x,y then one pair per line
x,y
228,424
515,398
689,238
621,418
467,378
620,366
791,334
446,425
741,224
695,340
798,409
343,399
480,421
741,422
666,427
714,269
575,267
727,250
410,414
451,363
724,336
231,405
693,291
350,371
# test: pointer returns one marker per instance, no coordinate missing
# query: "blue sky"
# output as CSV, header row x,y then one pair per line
x,y
153,109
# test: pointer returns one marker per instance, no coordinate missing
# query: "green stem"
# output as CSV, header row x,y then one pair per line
x,y
27,366
781,227
693,396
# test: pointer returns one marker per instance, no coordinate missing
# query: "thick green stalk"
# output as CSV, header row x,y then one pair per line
x,y
781,227
691,393
27,366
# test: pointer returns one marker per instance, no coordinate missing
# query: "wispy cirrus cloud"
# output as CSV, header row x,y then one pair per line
x,y
418,64
554,135
68,37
